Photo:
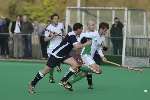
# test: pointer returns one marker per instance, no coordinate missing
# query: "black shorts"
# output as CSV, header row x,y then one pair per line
x,y
53,61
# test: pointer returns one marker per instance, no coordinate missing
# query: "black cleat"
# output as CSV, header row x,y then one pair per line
x,y
66,85
70,87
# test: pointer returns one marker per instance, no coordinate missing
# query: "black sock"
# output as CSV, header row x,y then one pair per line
x,y
37,78
89,79
67,76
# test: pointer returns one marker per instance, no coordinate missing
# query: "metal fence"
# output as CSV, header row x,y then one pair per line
x,y
135,47
138,47
20,46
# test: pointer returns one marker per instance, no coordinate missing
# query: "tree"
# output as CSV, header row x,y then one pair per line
x,y
37,11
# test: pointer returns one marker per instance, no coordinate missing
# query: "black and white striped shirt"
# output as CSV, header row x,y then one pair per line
x,y
65,46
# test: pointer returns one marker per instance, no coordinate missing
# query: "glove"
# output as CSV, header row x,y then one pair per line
x,y
105,48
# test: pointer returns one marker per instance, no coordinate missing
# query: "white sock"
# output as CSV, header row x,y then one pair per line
x,y
41,74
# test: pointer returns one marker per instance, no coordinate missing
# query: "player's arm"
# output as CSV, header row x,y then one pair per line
x,y
76,44
79,45
102,47
63,30
84,41
48,36
100,52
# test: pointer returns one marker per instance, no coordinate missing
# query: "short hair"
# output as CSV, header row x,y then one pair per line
x,y
52,16
77,26
116,18
104,25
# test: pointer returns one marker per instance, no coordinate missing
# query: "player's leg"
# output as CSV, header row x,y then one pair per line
x,y
89,80
51,72
76,63
89,61
77,77
51,63
84,70
74,66
37,78
93,67
51,76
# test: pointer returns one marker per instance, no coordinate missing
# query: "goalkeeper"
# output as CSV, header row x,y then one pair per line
x,y
88,52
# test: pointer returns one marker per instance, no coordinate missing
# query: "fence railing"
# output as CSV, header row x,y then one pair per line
x,y
138,47
21,45
33,46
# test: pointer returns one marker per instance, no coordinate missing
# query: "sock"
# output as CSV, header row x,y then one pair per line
x,y
89,79
67,76
76,78
37,78
51,73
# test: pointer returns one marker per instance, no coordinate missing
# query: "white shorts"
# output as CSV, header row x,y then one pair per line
x,y
87,59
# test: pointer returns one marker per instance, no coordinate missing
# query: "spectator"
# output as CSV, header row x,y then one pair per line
x,y
1,35
4,23
27,29
15,32
116,33
6,37
42,42
36,51
1,24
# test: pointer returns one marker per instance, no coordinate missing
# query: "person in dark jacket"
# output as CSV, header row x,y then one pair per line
x,y
116,33
27,30
4,37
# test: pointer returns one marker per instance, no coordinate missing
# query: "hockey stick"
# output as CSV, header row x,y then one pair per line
x,y
124,66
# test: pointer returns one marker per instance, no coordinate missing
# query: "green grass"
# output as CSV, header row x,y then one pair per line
x,y
113,84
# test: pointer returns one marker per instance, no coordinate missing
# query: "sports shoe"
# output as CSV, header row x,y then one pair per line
x,y
66,85
31,88
70,85
61,83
